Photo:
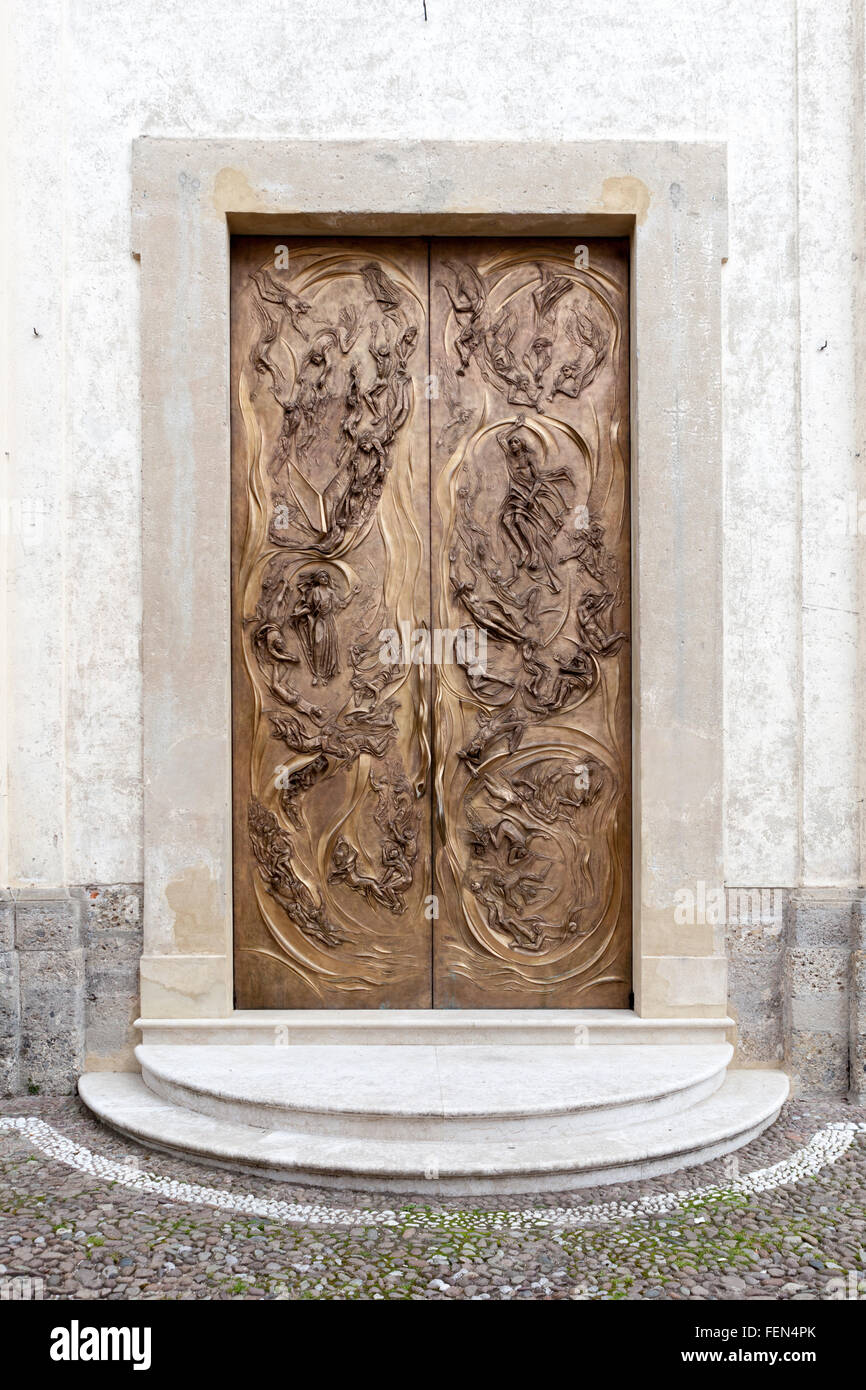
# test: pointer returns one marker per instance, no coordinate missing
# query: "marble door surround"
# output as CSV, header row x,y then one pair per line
x,y
670,200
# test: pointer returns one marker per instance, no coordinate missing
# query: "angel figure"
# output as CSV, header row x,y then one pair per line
x,y
591,343
468,299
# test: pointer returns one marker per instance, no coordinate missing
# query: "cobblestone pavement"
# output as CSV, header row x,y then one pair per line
x,y
797,1233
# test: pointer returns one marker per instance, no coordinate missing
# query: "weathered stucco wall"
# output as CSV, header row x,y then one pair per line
x,y
780,83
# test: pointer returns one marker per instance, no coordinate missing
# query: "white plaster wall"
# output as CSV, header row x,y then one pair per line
x,y
775,79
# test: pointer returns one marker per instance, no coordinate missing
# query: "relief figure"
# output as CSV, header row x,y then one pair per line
x,y
314,618
534,506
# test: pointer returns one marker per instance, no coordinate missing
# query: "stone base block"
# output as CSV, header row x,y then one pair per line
x,y
68,985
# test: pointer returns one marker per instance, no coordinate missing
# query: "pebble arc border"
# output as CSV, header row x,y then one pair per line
x,y
826,1146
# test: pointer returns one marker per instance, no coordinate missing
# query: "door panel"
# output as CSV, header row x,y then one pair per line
x,y
531,542
330,527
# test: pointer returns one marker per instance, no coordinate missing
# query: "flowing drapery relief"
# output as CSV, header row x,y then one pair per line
x,y
330,543
530,524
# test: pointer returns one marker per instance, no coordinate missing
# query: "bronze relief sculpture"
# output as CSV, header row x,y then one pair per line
x,y
431,438
332,849
531,539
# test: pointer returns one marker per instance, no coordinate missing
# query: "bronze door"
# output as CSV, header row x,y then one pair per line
x,y
530,543
430,570
330,518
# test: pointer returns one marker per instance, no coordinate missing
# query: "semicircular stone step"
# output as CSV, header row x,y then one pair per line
x,y
433,1093
734,1114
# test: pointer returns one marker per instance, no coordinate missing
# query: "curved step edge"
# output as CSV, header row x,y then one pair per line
x,y
744,1106
235,1105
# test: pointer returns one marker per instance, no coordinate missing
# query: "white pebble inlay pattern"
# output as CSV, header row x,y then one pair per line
x,y
826,1146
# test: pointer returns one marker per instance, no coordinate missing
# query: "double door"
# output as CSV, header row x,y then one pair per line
x,y
430,623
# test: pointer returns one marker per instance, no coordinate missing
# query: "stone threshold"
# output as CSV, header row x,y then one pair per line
x,y
433,1027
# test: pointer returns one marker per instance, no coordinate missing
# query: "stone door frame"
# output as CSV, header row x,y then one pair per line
x,y
189,196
